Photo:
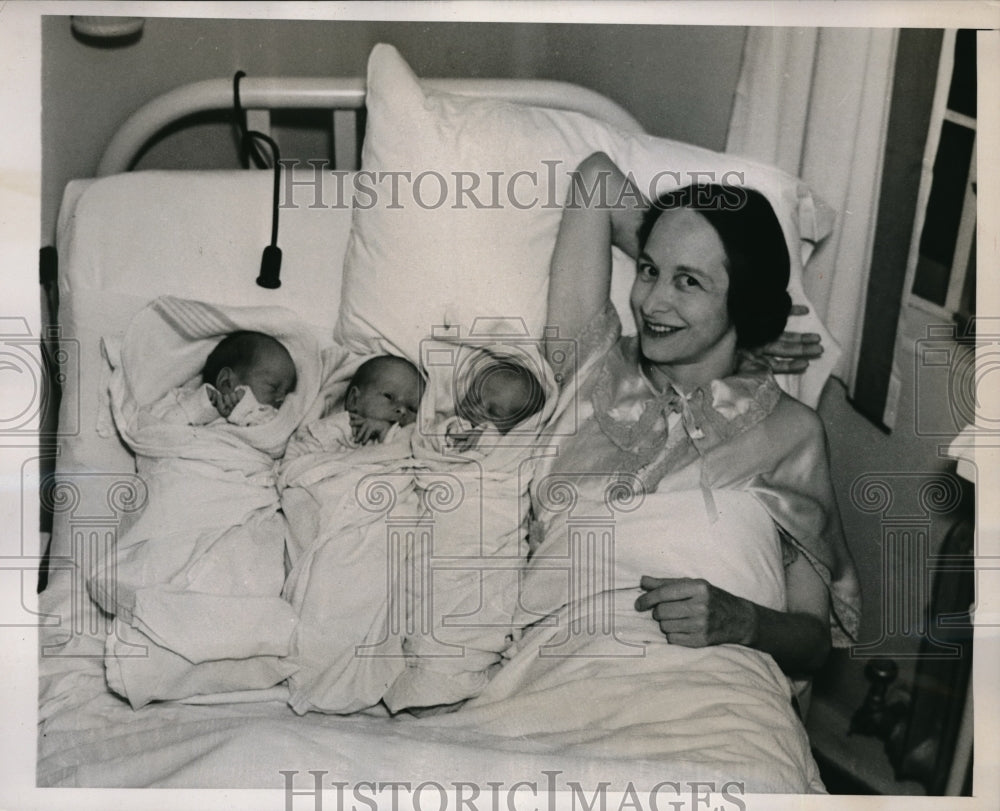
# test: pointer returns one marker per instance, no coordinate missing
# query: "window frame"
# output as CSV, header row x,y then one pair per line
x,y
965,238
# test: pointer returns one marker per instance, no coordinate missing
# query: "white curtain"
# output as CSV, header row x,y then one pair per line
x,y
815,102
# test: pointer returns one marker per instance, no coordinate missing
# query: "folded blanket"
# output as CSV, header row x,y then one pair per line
x,y
196,582
464,570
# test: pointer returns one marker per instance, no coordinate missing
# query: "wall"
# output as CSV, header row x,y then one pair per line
x,y
678,82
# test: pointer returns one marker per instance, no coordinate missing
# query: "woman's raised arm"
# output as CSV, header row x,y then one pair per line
x,y
602,208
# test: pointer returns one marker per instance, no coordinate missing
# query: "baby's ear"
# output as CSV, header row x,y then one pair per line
x,y
351,399
226,380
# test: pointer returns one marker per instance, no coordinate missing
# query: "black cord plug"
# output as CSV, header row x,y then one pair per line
x,y
270,268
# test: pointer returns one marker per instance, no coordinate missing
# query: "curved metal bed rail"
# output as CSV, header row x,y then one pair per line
x,y
274,93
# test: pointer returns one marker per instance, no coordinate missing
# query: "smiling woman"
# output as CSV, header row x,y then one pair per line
x,y
755,256
679,299
685,404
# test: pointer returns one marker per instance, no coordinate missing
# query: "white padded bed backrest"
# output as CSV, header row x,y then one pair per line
x,y
126,239
200,235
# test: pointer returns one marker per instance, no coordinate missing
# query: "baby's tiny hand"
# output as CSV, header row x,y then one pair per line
x,y
225,402
215,398
368,429
463,440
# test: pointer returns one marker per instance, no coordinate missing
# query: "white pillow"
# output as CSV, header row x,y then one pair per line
x,y
463,200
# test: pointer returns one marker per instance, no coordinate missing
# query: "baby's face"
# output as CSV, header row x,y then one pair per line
x,y
501,397
271,376
392,395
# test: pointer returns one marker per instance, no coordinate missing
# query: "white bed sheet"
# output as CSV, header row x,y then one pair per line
x,y
635,731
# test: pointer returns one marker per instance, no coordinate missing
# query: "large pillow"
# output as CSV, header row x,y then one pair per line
x,y
460,202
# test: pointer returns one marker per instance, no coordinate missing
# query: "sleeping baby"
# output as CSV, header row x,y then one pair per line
x,y
475,443
244,382
195,584
500,395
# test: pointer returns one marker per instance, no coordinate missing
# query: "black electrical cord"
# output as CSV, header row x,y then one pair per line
x,y
270,263
248,146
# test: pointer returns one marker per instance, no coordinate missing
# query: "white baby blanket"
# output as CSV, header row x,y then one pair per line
x,y
346,507
196,582
464,570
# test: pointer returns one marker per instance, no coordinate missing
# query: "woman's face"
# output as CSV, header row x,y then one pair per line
x,y
679,300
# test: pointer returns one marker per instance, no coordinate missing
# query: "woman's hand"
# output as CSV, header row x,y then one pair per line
x,y
792,351
695,614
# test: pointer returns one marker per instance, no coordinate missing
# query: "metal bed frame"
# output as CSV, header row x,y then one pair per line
x,y
343,97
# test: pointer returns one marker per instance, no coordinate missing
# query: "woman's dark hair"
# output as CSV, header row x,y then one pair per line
x,y
758,264
238,351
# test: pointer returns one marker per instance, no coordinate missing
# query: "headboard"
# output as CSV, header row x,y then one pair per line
x,y
343,96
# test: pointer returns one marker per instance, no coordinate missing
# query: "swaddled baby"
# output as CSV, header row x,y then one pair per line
x,y
245,380
330,480
480,456
501,395
382,398
196,582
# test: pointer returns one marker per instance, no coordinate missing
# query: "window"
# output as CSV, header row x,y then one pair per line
x,y
942,266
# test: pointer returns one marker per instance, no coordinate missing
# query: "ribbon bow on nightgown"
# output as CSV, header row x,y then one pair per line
x,y
637,419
